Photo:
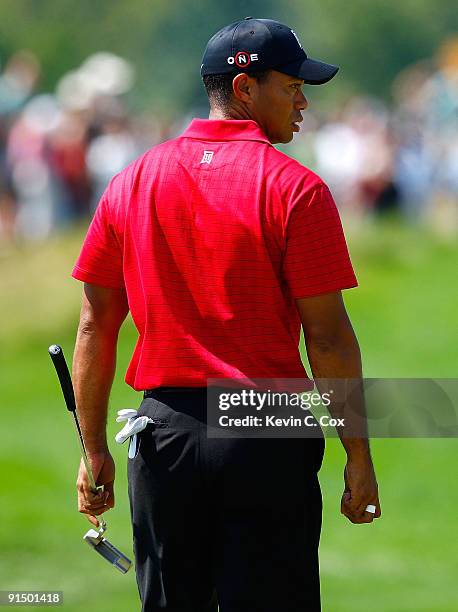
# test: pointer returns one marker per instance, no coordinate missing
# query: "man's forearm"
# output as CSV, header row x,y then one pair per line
x,y
94,364
338,361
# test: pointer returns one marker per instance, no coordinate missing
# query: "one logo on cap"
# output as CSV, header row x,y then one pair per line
x,y
242,59
295,36
207,157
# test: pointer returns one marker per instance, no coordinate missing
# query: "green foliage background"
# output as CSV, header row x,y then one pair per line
x,y
372,40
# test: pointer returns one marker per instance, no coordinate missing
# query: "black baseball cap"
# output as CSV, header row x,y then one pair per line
x,y
260,44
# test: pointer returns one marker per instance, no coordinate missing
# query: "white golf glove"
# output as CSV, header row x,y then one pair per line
x,y
134,425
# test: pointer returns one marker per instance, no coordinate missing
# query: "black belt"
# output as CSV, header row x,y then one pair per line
x,y
152,392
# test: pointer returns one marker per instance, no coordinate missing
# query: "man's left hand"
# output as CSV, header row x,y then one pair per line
x,y
361,489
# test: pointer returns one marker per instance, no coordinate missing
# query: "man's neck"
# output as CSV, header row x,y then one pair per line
x,y
229,113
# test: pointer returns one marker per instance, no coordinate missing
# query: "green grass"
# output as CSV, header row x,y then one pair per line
x,y
404,314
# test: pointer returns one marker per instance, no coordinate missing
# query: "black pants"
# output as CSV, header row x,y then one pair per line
x,y
229,522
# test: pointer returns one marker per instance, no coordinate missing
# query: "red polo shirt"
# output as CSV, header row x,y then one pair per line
x,y
213,235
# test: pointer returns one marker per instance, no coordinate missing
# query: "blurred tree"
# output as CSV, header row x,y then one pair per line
x,y
373,40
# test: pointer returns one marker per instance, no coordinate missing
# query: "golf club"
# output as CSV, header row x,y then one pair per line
x,y
93,537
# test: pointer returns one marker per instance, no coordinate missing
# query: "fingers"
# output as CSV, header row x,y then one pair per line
x,y
378,510
357,518
110,496
90,502
344,501
93,520
360,517
356,511
360,520
93,503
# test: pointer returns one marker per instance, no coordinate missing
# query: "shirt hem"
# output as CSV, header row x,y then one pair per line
x,y
88,277
324,290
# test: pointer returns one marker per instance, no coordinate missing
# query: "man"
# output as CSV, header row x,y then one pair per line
x,y
221,247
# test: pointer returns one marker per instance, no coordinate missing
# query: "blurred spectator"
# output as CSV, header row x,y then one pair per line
x,y
59,150
426,96
354,154
17,83
113,148
443,93
67,151
31,173
414,157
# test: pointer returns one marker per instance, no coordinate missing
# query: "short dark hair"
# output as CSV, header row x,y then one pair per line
x,y
219,86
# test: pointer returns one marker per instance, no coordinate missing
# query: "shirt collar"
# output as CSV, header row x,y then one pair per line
x,y
225,129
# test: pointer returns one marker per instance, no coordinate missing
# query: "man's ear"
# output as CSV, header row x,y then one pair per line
x,y
242,86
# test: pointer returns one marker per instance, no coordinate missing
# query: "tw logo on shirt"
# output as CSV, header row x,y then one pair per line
x,y
207,157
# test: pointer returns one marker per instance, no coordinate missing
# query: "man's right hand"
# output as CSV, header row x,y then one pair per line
x,y
360,490
89,502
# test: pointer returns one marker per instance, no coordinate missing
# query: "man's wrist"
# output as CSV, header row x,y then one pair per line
x,y
97,451
96,446
357,449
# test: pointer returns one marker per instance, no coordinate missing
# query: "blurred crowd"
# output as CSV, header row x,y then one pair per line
x,y
404,157
59,150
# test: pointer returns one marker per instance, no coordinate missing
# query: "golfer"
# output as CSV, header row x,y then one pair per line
x,y
221,247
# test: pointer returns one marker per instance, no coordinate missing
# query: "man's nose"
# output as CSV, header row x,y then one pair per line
x,y
301,102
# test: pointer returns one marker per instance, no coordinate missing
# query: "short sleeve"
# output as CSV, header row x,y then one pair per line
x,y
316,258
100,259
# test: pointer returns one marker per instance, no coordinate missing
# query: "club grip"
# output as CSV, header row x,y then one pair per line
x,y
57,355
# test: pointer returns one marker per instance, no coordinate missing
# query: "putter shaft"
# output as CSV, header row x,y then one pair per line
x,y
94,538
